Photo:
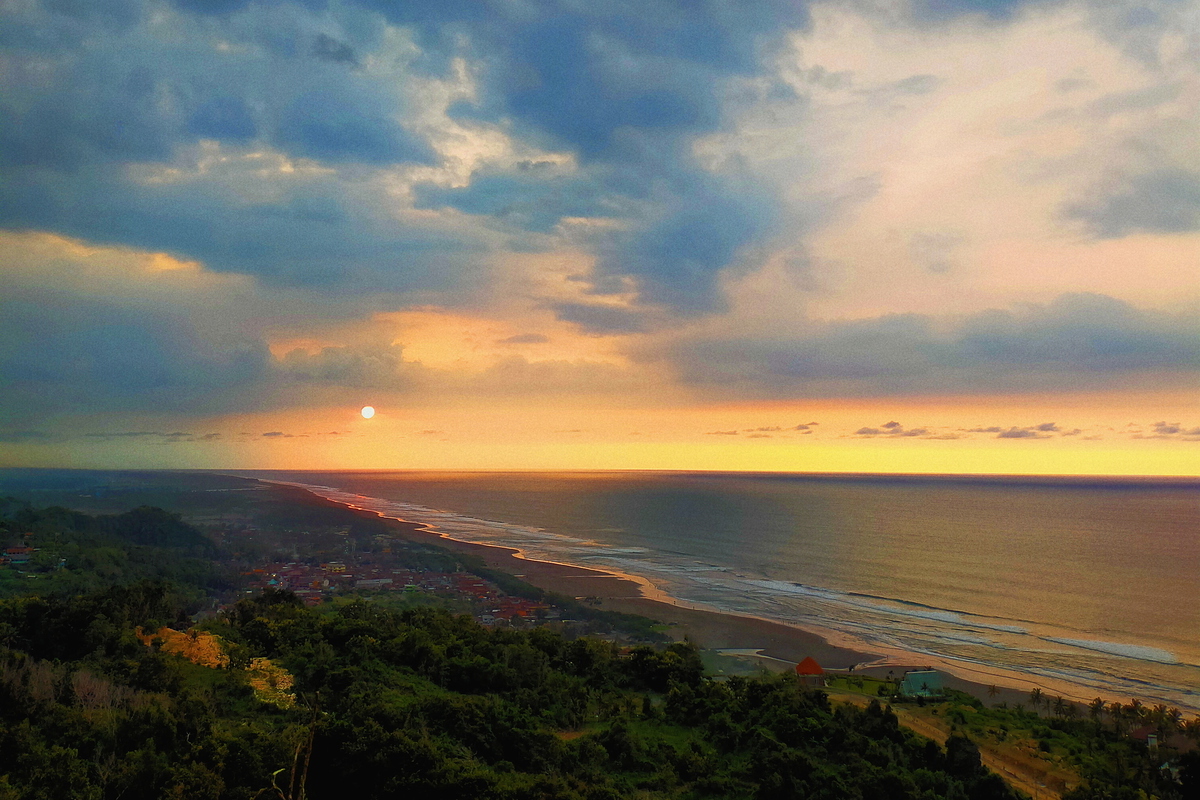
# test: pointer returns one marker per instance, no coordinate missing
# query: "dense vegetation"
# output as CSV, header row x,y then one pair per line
x,y
420,704
76,552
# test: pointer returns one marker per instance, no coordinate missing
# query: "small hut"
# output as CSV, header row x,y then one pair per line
x,y
810,672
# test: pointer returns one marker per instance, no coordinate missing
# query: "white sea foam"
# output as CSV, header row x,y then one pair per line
x,y
1133,651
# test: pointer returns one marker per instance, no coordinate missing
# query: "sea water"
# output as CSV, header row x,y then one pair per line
x,y
1092,584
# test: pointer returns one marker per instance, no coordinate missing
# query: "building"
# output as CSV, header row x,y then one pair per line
x,y
18,555
922,683
810,672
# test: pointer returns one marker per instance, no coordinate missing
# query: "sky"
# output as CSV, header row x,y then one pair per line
x,y
954,236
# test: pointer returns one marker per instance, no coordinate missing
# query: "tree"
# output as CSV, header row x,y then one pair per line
x,y
962,758
1189,775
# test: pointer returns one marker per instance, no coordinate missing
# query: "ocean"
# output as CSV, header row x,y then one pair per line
x,y
1091,585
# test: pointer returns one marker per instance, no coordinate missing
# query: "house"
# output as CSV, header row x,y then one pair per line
x,y
810,672
921,683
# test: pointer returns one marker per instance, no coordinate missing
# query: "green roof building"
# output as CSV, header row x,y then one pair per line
x,y
921,683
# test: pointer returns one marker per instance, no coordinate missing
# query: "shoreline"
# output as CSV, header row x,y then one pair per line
x,y
717,629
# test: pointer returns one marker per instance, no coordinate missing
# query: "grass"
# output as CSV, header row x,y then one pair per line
x,y
860,684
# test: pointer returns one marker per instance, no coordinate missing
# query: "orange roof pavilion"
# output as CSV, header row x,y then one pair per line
x,y
809,666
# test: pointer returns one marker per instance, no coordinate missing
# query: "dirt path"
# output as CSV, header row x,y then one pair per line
x,y
1031,779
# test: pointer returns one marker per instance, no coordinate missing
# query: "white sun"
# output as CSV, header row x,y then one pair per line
x,y
368,412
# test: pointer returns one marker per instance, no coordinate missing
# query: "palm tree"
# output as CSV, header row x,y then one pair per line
x,y
1060,707
1035,698
1096,710
1116,712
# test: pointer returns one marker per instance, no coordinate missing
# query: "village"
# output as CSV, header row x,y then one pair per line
x,y
314,583
320,562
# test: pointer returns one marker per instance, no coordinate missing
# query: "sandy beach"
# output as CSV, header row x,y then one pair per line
x,y
782,644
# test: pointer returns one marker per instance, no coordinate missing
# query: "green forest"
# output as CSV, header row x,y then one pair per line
x,y
111,688
420,704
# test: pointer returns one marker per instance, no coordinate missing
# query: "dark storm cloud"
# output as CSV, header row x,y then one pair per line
x,y
626,88
330,127
1091,338
627,93
145,93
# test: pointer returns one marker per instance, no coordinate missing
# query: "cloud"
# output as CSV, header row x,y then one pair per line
x,y
174,436
329,127
1093,339
24,437
1021,433
100,330
1165,201
722,433
935,251
376,114
895,430
97,330
525,338
230,145
277,435
331,49
942,10
380,367
1172,429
